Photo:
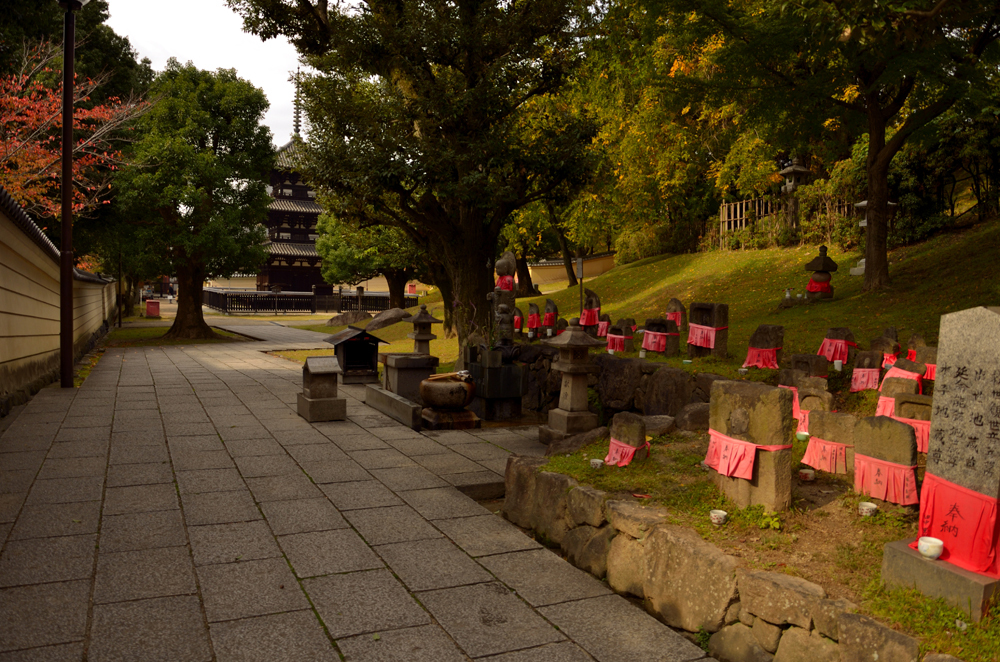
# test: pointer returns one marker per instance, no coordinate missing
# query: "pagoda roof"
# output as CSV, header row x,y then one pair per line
x,y
290,249
289,156
295,206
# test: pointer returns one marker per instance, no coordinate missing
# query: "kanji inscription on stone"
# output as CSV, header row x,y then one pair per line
x,y
965,426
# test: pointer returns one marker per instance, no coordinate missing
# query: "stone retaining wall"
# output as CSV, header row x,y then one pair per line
x,y
689,583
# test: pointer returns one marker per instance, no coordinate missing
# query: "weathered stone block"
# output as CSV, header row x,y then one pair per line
x,y
626,566
629,428
814,399
689,582
969,591
394,406
736,643
825,613
733,613
715,315
898,386
910,366
830,426
868,359
575,540
768,336
659,425
767,635
797,645
884,345
586,506
667,392
770,486
594,556
633,519
550,516
746,618
886,439
694,417
519,489
760,413
927,355
316,410
703,386
777,598
863,639
791,377
917,407
813,365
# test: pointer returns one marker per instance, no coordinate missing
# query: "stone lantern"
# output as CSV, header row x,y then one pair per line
x,y
572,416
795,176
421,334
819,283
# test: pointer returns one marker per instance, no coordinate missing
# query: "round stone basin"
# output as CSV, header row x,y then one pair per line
x,y
450,392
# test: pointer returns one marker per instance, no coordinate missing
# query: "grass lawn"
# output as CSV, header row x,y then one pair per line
x,y
153,337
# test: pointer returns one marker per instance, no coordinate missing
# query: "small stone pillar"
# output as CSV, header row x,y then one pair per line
x,y
550,320
708,330
819,286
318,400
765,348
591,312
572,416
421,333
519,324
627,429
678,313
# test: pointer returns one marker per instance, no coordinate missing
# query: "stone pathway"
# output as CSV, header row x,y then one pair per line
x,y
176,508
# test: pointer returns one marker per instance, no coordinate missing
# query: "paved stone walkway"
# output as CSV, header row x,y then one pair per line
x,y
176,508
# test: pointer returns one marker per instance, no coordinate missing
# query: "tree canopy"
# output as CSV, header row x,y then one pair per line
x,y
419,116
196,190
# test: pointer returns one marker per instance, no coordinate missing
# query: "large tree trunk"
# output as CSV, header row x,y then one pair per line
x,y
567,257
471,280
190,322
525,288
396,278
877,232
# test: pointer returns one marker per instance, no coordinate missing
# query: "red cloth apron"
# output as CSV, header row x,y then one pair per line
x,y
533,321
923,430
834,349
518,322
621,454
888,359
813,286
700,335
762,358
827,456
590,317
911,355
602,329
964,519
676,317
654,341
886,406
549,319
733,457
506,283
883,480
616,343
931,371
864,379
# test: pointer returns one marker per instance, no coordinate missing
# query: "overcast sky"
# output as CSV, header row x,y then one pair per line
x,y
210,35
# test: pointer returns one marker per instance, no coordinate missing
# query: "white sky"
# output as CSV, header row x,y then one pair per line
x,y
211,36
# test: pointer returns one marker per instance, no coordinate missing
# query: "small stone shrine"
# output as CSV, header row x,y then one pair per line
x,y
660,336
887,346
708,330
500,383
421,334
591,312
765,347
628,327
819,286
678,313
628,440
603,324
318,400
813,365
831,442
616,338
505,268
551,319
518,324
927,356
573,415
357,351
961,488
916,340
839,345
751,428
885,460
867,371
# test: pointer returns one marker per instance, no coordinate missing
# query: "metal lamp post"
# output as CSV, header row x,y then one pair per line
x,y
66,255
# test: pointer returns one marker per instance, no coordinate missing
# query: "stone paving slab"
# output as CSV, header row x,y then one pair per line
x,y
178,499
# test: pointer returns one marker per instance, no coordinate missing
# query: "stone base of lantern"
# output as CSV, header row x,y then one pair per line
x,y
316,410
439,419
564,424
969,591
820,296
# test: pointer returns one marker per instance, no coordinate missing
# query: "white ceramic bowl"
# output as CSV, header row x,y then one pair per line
x,y
743,371
867,509
802,436
930,548
838,365
596,463
807,475
718,517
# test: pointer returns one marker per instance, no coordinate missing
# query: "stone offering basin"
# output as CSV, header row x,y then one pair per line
x,y
448,391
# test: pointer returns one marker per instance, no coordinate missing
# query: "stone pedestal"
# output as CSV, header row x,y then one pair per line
x,y
500,387
318,400
403,373
906,568
571,416
436,419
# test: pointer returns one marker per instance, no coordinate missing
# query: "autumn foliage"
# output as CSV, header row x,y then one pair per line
x,y
31,137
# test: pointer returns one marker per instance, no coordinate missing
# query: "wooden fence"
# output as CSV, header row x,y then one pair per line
x,y
767,216
248,302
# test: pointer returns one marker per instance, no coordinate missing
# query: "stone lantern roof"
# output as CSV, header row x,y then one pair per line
x,y
424,317
575,337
